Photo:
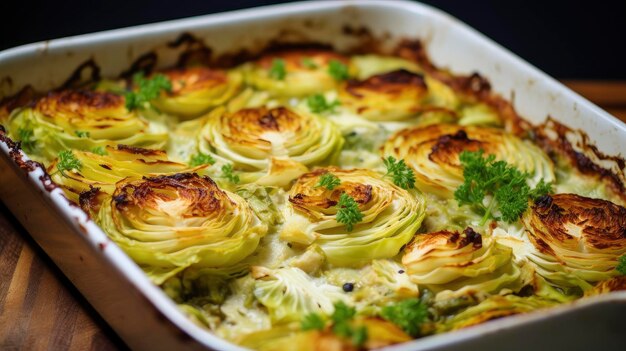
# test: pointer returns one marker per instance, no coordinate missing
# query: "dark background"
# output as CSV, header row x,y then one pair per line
x,y
567,39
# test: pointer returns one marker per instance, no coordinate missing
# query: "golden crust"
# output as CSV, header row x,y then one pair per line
x,y
578,223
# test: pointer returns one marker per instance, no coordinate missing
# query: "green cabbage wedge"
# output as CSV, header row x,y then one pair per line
x,y
270,146
118,163
169,223
493,308
433,153
84,120
576,240
391,216
289,293
453,264
195,90
295,73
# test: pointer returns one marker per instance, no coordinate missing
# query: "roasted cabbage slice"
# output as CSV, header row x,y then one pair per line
x,y
289,293
388,96
576,241
84,120
271,146
433,153
298,73
103,168
391,216
195,90
453,264
169,223
380,333
493,308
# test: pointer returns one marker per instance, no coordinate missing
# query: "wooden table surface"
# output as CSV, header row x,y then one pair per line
x,y
40,309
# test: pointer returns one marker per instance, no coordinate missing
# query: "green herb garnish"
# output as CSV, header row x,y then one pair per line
x,y
228,173
278,70
407,314
201,159
621,265
148,89
317,104
348,212
312,321
329,181
401,174
27,139
338,70
99,150
67,162
342,324
505,183
81,134
308,63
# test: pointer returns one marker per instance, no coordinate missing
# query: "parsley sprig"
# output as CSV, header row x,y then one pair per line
x,y
505,183
317,104
407,314
201,159
148,89
312,321
82,134
401,174
621,265
342,324
338,70
348,212
328,181
229,173
67,162
278,70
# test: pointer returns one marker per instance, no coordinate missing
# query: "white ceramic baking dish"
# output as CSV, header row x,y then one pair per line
x,y
139,311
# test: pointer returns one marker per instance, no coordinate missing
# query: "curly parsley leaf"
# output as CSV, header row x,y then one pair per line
x,y
99,150
328,181
401,174
312,321
342,319
81,134
359,336
67,162
229,173
506,184
201,159
348,212
338,70
317,104
147,89
621,265
278,69
407,314
26,137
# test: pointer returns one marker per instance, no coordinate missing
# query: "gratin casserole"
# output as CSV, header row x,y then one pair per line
x,y
308,198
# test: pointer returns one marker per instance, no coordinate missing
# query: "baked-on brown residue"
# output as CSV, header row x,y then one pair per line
x,y
473,86
76,81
